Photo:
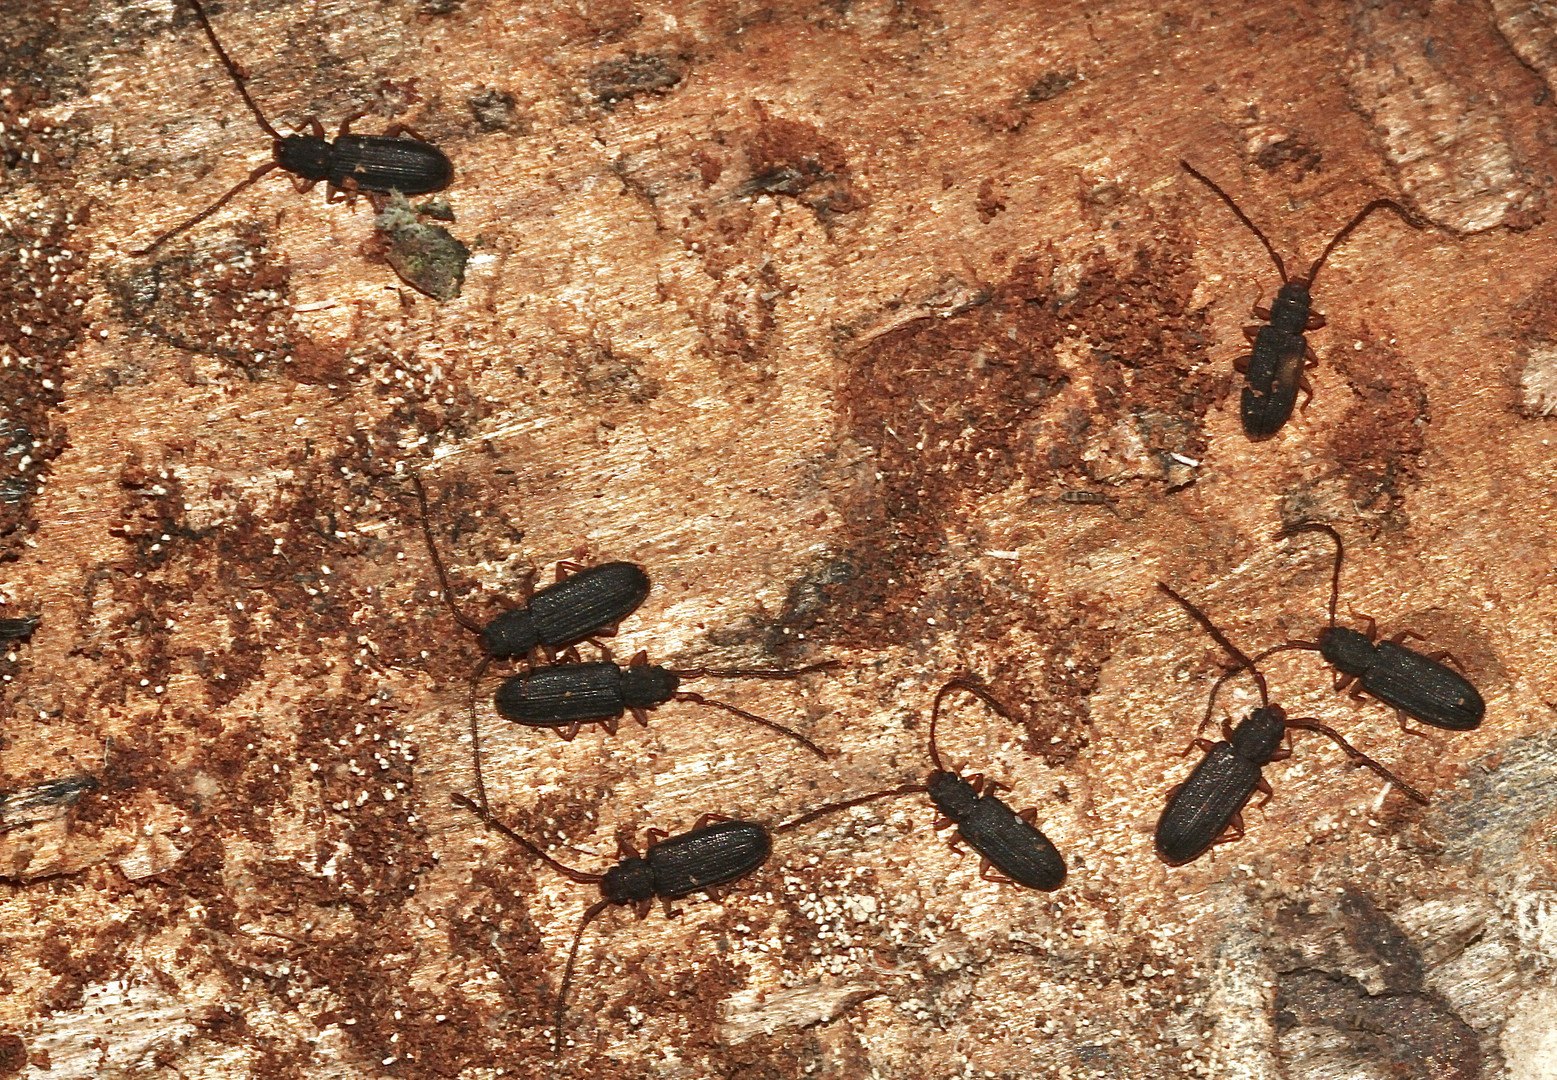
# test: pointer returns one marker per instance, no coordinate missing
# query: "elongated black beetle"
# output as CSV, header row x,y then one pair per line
x,y
18,629
717,851
1273,372
377,164
1006,840
1205,806
583,603
564,697
1412,684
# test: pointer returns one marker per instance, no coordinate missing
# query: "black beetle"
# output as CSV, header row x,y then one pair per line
x,y
19,629
583,603
52,798
1412,684
377,164
1273,372
1201,809
718,851
564,697
1005,839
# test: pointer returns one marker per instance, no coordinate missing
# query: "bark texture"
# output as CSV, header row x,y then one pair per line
x,y
821,312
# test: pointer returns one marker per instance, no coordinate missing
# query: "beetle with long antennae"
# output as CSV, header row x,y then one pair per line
x,y
1209,804
377,164
564,697
716,852
1414,685
1007,840
1274,370
585,602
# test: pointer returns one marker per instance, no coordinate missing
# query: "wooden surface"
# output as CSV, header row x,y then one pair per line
x,y
817,312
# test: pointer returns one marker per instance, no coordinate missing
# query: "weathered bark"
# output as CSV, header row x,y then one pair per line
x,y
818,312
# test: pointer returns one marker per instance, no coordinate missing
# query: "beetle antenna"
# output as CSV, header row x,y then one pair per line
x,y
1377,204
833,808
963,682
699,699
207,212
432,549
1307,723
751,673
232,69
1228,199
1286,646
1221,639
1340,552
475,735
566,871
567,972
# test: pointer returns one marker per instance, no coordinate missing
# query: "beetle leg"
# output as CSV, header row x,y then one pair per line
x,y
609,723
640,659
314,126
1241,364
570,655
1261,312
1235,827
942,822
346,193
997,785
670,913
301,186
1344,680
708,819
1445,654
1400,715
1308,392
1263,787
1315,321
1030,815
396,130
1400,638
569,733
527,584
984,872
346,124
656,835
641,909
642,716
568,566
1250,333
1203,745
625,849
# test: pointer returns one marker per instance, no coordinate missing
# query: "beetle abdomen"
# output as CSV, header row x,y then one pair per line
x,y
1014,846
1432,692
1200,810
562,694
1271,383
380,163
595,598
716,854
